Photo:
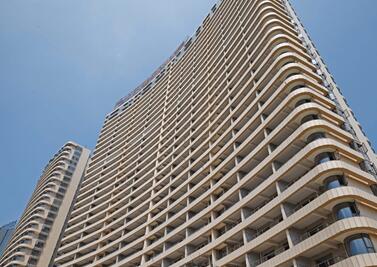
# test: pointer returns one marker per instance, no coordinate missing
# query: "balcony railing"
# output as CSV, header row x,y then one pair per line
x,y
269,256
234,247
306,201
329,262
316,229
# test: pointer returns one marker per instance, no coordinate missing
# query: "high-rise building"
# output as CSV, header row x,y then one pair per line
x,y
38,231
238,151
6,232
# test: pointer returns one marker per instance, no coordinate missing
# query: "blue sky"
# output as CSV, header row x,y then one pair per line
x,y
64,64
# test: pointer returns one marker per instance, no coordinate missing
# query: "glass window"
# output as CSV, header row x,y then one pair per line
x,y
334,182
359,244
324,157
373,187
345,210
309,118
292,74
315,136
302,101
297,87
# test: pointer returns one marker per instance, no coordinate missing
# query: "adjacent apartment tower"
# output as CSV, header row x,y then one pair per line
x,y
38,231
238,151
6,232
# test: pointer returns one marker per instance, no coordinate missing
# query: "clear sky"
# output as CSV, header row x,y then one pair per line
x,y
64,64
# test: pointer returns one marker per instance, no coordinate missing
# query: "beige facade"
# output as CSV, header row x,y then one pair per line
x,y
238,151
39,229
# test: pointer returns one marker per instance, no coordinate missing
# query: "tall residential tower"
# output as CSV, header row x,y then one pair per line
x,y
6,232
38,231
238,151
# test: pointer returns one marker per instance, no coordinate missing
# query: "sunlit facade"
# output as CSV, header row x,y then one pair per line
x,y
38,231
238,151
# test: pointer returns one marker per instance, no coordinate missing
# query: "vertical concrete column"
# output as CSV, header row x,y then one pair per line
x,y
293,236
280,187
301,262
251,258
286,209
248,235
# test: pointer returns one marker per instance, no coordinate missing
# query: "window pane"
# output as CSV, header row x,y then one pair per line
x,y
345,210
333,184
357,246
344,213
368,244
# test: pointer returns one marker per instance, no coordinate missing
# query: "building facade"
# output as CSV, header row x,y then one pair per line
x,y
6,232
38,231
238,151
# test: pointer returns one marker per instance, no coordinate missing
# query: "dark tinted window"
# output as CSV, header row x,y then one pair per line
x,y
315,136
309,118
302,101
324,157
359,244
334,182
345,210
